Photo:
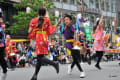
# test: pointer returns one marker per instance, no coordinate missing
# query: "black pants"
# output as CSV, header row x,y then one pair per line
x,y
22,62
98,54
12,63
41,59
76,59
83,58
0,14
2,60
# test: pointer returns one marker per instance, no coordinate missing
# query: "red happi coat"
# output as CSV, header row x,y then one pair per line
x,y
41,35
10,48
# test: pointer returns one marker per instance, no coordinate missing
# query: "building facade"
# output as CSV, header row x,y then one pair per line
x,y
8,10
118,11
92,9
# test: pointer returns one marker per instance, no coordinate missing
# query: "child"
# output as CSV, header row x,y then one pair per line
x,y
42,28
68,31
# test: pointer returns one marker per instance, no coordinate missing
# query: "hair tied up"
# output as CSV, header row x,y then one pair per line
x,y
40,21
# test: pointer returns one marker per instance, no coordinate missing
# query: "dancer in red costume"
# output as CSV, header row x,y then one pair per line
x,y
41,29
11,51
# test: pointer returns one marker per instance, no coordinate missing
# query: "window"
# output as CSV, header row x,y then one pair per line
x,y
107,5
97,4
119,18
65,1
72,1
92,4
92,19
79,2
86,3
102,5
58,0
113,6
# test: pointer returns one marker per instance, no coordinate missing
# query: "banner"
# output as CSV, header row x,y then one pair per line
x,y
87,31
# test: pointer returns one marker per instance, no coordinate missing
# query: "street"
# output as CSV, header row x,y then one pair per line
x,y
63,31
110,71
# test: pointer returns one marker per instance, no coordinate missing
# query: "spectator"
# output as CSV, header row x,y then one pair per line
x,y
22,60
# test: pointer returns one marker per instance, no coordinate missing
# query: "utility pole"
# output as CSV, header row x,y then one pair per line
x,y
61,1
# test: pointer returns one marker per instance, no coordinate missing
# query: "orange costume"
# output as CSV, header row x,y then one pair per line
x,y
10,48
40,34
106,39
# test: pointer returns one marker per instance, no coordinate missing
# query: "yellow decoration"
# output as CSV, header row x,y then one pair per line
x,y
69,40
68,51
115,38
118,44
20,40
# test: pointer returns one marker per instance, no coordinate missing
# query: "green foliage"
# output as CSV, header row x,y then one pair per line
x,y
1,0
22,19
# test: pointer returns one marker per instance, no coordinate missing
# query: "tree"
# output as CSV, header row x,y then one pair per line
x,y
1,0
22,19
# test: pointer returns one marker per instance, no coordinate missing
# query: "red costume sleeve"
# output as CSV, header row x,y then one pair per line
x,y
50,29
33,24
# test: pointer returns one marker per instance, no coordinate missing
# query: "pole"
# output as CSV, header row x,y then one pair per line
x,y
62,22
111,21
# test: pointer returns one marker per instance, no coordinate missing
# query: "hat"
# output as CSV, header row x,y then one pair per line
x,y
97,19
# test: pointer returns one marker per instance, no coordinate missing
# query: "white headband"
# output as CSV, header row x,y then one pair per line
x,y
0,10
97,19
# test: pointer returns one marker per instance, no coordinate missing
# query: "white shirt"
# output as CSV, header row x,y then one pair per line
x,y
118,39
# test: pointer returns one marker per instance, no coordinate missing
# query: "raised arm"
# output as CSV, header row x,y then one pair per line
x,y
101,19
47,14
80,33
57,24
115,25
100,22
30,29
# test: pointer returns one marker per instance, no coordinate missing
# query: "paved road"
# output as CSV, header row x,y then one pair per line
x,y
110,71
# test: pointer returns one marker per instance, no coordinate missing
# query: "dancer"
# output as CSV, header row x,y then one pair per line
x,y
98,42
11,52
3,63
68,31
42,28
31,35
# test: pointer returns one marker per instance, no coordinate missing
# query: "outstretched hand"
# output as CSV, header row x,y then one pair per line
x,y
59,20
44,3
115,19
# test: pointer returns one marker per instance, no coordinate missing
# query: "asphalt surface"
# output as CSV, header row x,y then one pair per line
x,y
110,71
